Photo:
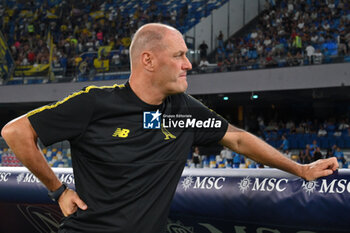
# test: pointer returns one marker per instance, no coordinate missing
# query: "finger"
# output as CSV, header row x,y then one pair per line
x,y
334,167
321,164
335,164
330,163
80,203
319,174
69,211
326,172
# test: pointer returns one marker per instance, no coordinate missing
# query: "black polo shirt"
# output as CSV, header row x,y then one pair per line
x,y
127,175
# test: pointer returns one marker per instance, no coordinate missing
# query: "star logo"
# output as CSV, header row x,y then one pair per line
x,y
156,115
151,120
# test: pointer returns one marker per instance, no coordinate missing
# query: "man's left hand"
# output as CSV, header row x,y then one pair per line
x,y
320,168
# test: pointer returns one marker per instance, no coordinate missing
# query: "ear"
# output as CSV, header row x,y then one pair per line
x,y
147,60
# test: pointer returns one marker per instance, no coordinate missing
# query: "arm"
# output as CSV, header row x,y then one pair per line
x,y
245,143
22,139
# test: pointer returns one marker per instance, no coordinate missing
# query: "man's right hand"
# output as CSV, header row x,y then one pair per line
x,y
69,202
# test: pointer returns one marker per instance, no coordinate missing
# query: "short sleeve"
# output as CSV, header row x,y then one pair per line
x,y
63,120
214,125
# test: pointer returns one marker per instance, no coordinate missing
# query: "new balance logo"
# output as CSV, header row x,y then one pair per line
x,y
121,133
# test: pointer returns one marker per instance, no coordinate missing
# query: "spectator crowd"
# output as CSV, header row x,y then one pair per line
x,y
82,27
289,33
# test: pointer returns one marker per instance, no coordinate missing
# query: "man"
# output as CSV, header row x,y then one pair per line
x,y
227,154
126,175
203,51
317,154
285,143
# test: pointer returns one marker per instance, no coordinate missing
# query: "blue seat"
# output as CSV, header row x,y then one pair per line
x,y
313,136
278,143
97,78
34,81
346,141
332,141
15,82
340,142
292,143
82,79
271,143
344,132
301,141
318,139
110,77
324,142
123,76
307,138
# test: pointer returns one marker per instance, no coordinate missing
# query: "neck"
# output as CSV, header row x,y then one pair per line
x,y
145,90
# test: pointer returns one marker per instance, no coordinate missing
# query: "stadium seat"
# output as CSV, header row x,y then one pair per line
x,y
340,142
347,141
324,143
15,82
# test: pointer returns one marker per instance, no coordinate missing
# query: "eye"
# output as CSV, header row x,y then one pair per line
x,y
180,54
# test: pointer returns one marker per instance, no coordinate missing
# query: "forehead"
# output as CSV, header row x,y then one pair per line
x,y
174,41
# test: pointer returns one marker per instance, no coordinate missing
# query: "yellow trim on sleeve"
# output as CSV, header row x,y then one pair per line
x,y
35,111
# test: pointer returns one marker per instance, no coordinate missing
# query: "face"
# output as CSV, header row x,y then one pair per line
x,y
171,64
196,150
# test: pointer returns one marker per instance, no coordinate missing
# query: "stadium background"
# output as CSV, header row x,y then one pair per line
x,y
274,87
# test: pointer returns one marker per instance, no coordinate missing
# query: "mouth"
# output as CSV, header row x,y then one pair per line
x,y
184,75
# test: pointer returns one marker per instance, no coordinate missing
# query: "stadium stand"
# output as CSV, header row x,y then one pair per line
x,y
291,33
57,155
92,38
92,41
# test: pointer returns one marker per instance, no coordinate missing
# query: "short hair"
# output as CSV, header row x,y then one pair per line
x,y
148,37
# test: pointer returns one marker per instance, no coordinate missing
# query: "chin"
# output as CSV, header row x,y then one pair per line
x,y
180,87
183,86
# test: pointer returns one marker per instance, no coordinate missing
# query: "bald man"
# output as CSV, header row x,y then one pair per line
x,y
126,161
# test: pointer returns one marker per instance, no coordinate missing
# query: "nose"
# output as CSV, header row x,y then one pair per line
x,y
187,64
